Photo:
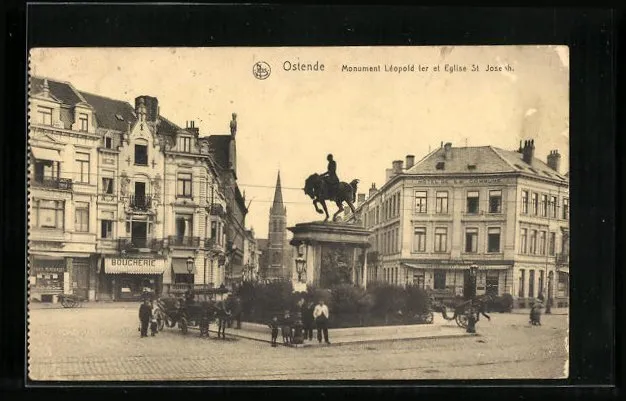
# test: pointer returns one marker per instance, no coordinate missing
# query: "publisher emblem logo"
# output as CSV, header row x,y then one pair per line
x,y
261,70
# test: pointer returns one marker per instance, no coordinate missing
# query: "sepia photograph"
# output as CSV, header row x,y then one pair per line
x,y
298,213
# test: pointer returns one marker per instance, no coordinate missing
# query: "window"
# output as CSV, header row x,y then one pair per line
x,y
531,283
82,167
184,144
544,205
540,285
397,240
534,201
471,240
441,239
439,280
493,239
525,202
107,185
542,242
184,185
398,205
108,142
472,202
420,201
552,243
184,225
565,209
83,120
48,214
442,202
495,201
553,207
81,217
44,115
533,242
141,155
440,165
419,239
106,229
418,279
520,285
523,240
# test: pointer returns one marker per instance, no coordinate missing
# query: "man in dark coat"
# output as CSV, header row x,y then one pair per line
x,y
330,176
237,311
145,312
306,311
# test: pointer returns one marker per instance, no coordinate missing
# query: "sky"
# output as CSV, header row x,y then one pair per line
x,y
291,120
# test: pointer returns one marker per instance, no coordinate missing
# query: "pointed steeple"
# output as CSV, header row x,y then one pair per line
x,y
277,206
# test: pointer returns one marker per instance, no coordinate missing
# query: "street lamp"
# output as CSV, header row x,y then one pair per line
x,y
471,314
300,267
190,263
549,303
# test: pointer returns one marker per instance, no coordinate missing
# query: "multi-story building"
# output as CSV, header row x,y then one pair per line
x,y
62,191
250,257
506,211
121,198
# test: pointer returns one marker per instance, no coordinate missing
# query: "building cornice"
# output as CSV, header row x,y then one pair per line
x,y
46,129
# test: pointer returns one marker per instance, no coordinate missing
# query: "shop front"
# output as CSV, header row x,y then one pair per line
x,y
128,278
46,278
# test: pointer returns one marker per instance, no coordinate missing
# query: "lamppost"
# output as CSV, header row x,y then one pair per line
x,y
471,313
549,303
301,268
298,335
190,263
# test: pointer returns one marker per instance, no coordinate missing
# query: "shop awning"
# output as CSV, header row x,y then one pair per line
x,y
46,154
134,266
563,270
179,266
455,266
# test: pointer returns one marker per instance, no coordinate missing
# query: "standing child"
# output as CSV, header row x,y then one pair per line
x,y
286,327
153,320
273,324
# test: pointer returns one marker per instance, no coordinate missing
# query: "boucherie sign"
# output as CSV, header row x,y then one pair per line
x,y
134,265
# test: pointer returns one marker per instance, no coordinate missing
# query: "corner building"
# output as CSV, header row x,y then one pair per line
x,y
506,211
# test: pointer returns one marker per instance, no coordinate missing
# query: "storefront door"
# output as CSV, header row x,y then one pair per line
x,y
492,282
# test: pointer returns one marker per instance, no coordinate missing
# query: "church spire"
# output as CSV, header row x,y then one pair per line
x,y
277,206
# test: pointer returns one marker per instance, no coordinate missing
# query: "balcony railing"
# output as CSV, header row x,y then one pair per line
x,y
211,244
215,209
131,244
140,202
562,258
191,242
64,184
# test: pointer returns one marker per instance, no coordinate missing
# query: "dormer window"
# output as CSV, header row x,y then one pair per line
x,y
44,115
108,142
83,120
184,144
440,165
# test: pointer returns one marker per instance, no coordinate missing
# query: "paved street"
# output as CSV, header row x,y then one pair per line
x,y
102,343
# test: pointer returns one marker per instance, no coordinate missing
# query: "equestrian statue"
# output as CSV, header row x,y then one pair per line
x,y
326,186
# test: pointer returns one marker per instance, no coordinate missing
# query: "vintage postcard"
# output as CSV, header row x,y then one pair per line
x,y
298,213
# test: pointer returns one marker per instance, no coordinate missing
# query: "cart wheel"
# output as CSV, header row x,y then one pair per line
x,y
183,325
170,323
462,320
65,303
160,322
429,317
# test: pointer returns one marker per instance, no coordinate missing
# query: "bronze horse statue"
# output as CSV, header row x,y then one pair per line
x,y
317,189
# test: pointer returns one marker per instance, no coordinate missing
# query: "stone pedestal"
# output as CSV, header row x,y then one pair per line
x,y
315,236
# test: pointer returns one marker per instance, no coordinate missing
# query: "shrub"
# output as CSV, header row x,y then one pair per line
x,y
417,300
345,299
388,299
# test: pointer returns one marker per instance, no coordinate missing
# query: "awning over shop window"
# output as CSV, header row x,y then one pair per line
x,y
134,266
46,154
563,270
455,266
179,266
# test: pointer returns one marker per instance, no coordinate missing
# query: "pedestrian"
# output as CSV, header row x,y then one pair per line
x,y
306,311
286,327
535,314
205,319
144,318
321,315
237,312
223,315
153,319
273,324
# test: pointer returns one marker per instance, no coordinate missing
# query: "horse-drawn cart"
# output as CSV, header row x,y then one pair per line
x,y
187,310
70,300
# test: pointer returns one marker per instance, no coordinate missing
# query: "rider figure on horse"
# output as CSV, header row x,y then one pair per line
x,y
330,176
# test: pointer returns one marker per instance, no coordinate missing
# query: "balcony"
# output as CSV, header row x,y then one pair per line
x,y
215,209
211,244
140,202
134,244
64,184
562,259
188,242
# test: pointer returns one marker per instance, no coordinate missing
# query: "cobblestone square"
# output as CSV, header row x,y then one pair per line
x,y
103,343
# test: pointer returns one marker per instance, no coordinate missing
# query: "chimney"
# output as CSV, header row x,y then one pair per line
x,y
447,148
521,148
388,174
46,88
361,198
554,160
150,105
397,167
191,127
528,152
372,190
410,160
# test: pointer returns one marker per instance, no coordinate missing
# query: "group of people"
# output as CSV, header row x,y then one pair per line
x,y
311,316
148,317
